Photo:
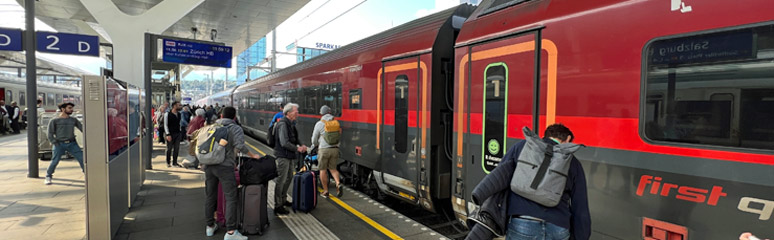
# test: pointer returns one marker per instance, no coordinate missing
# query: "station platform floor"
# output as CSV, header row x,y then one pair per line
x,y
170,205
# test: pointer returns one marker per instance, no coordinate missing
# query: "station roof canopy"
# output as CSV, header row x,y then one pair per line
x,y
239,23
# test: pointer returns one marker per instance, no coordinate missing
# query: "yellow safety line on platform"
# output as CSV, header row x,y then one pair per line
x,y
363,217
346,206
256,149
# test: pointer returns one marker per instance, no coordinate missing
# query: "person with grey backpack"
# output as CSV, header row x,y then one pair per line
x,y
217,149
546,190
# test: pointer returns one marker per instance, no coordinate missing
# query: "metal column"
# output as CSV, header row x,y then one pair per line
x,y
148,139
32,90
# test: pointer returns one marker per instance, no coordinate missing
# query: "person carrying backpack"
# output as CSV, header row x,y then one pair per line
x,y
325,136
222,172
546,189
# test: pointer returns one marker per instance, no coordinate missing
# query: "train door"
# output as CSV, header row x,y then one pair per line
x,y
2,93
501,88
399,133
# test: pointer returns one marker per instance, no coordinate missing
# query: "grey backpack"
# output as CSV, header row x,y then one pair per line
x,y
541,170
208,150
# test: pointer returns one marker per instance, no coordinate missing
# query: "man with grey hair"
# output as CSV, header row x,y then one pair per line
x,y
285,149
326,136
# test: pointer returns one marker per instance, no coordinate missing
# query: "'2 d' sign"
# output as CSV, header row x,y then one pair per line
x,y
67,43
10,39
184,52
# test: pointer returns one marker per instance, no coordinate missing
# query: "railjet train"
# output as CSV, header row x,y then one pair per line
x,y
679,140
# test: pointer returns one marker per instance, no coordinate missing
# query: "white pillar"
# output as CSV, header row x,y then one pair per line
x,y
127,32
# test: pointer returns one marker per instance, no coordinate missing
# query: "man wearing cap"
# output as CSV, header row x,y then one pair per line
x,y
61,134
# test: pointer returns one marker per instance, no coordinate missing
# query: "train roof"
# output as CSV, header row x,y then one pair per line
x,y
497,18
10,78
415,36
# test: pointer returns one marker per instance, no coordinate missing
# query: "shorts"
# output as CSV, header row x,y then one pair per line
x,y
328,158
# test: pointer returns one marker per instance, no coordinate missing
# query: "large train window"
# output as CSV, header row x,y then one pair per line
x,y
401,113
495,118
311,100
354,98
8,97
42,98
59,98
22,99
52,99
331,96
712,88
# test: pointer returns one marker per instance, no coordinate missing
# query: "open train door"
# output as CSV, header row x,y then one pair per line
x,y
500,88
399,131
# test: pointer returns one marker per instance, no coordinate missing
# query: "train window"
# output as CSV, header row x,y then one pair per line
x,y
59,98
52,100
8,97
354,98
311,100
22,99
711,89
495,118
401,113
42,97
331,96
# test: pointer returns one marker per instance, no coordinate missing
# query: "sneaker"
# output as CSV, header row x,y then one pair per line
x,y
280,211
324,195
47,181
235,236
338,191
211,230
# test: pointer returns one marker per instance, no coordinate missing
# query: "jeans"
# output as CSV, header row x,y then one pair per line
x,y
526,229
224,175
285,170
173,147
59,150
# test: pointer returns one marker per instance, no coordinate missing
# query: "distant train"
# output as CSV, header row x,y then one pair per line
x,y
674,103
13,89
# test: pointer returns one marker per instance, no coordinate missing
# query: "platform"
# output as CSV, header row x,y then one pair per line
x,y
170,205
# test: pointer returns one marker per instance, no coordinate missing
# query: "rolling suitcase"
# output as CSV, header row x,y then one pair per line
x,y
304,191
253,207
220,214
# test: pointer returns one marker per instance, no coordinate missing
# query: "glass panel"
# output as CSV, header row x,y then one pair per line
x,y
22,98
8,97
331,95
116,117
42,97
495,119
134,111
401,113
712,89
59,99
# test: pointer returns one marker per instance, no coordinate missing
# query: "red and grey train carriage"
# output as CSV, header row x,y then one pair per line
x,y
673,100
390,93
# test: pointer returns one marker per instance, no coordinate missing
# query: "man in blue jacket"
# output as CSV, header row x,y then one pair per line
x,y
570,219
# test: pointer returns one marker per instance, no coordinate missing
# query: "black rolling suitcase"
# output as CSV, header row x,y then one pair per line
x,y
253,216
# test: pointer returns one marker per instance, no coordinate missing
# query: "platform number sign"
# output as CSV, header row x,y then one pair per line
x,y
10,39
67,43
495,115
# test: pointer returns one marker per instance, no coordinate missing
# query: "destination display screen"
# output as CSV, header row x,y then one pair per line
x,y
176,51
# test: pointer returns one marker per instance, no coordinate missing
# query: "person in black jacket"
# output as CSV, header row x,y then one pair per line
x,y
173,134
530,220
285,148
